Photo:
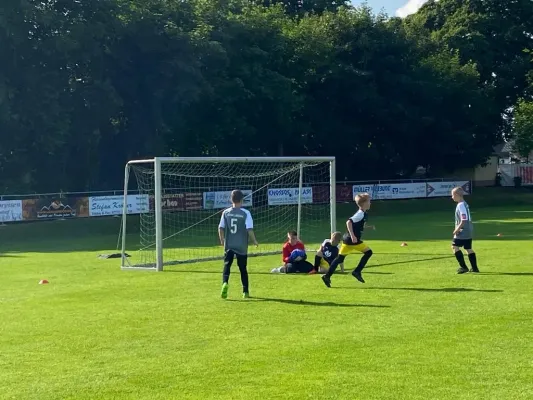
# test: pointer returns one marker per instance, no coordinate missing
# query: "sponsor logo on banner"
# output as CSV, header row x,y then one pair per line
x,y
284,196
179,201
112,205
344,193
215,200
392,191
443,189
10,210
55,208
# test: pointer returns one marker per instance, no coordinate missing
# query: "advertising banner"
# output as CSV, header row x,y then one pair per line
x,y
215,200
285,196
112,205
392,191
55,208
344,193
10,210
180,201
443,189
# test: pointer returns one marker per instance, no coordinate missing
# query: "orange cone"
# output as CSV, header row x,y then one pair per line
x,y
43,282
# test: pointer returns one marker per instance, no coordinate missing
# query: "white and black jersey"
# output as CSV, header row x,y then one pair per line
x,y
462,213
358,221
236,222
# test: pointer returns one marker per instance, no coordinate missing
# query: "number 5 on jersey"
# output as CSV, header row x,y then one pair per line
x,y
233,225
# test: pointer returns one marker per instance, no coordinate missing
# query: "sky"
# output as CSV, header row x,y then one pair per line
x,y
398,8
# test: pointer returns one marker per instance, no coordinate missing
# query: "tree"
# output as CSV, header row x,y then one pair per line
x,y
492,34
523,128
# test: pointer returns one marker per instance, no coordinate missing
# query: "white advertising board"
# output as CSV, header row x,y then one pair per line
x,y
10,210
393,191
215,200
286,196
112,205
443,189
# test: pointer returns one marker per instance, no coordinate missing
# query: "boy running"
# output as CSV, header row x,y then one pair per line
x,y
327,253
235,228
352,242
463,232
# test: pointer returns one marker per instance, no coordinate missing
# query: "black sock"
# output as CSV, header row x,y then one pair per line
x,y
226,272
228,261
334,264
363,261
244,279
242,263
473,260
460,259
318,259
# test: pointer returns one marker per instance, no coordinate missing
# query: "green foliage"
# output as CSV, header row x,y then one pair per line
x,y
86,86
493,35
523,128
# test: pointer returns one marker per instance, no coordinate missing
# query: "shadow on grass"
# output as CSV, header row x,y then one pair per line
x,y
315,303
265,273
411,261
444,290
508,273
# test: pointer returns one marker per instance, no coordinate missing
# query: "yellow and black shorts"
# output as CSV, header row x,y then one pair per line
x,y
324,263
347,249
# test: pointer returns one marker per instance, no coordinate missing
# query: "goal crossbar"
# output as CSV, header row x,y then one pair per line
x,y
198,160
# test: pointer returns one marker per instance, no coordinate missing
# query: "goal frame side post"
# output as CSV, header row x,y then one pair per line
x,y
158,189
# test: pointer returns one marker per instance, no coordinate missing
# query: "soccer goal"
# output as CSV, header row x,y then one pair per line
x,y
179,202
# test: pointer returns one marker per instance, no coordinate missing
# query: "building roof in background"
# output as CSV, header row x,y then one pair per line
x,y
504,149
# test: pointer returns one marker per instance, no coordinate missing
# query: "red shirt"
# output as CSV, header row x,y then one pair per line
x,y
288,248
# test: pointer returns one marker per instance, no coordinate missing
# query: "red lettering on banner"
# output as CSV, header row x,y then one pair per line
x,y
344,193
526,173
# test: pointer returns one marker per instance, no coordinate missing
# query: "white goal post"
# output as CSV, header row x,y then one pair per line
x,y
173,217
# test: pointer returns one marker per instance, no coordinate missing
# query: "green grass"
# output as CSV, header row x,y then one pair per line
x,y
415,330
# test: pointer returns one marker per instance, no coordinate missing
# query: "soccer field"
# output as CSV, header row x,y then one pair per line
x,y
415,330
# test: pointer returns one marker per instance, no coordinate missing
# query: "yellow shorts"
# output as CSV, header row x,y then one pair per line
x,y
324,263
347,249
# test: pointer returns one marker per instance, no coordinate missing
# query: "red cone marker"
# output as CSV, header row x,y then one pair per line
x,y
43,282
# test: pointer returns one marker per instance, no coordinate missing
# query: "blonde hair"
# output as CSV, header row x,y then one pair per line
x,y
458,190
361,198
337,236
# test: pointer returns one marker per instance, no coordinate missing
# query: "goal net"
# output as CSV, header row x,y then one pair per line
x,y
180,202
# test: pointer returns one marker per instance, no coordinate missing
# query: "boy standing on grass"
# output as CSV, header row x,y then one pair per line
x,y
235,228
352,242
463,232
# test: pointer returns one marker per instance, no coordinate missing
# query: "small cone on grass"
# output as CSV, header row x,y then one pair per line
x,y
43,282
499,235
403,244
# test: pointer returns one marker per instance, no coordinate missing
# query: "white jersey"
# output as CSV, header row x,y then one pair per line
x,y
462,213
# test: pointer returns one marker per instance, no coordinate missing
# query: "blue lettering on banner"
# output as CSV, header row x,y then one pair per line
x,y
287,192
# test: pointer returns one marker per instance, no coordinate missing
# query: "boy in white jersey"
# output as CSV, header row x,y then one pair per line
x,y
463,232
352,241
234,230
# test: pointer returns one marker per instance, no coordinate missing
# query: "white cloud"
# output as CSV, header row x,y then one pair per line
x,y
410,7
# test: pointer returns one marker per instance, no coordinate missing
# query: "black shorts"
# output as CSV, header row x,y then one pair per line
x,y
465,243
242,260
347,240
